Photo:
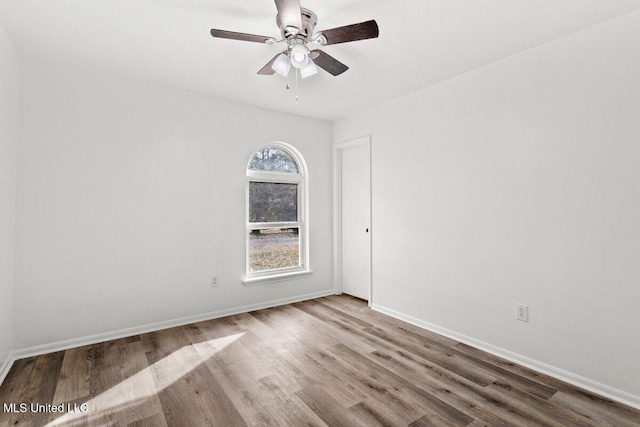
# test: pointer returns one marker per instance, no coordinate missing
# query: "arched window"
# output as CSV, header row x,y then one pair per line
x,y
277,229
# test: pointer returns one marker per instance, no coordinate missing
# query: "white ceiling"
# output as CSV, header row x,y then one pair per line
x,y
167,43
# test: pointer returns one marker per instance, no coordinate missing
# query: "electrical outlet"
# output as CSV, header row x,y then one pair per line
x,y
214,282
522,312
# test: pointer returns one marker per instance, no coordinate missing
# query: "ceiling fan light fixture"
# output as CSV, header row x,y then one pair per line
x,y
299,56
282,65
297,28
308,70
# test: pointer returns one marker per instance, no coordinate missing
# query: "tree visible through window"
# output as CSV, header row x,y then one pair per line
x,y
276,226
273,159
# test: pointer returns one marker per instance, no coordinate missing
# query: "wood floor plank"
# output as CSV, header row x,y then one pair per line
x,y
39,388
432,421
591,400
373,414
424,400
530,386
305,327
288,409
511,366
359,309
105,378
333,313
210,342
13,387
514,405
548,413
248,395
490,403
213,401
379,343
242,348
138,386
448,359
266,361
175,394
300,356
447,386
179,406
327,408
156,420
374,389
73,384
329,361
597,415
337,329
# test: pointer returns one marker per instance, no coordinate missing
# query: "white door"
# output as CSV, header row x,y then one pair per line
x,y
356,217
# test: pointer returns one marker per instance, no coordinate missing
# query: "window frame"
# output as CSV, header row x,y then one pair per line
x,y
252,278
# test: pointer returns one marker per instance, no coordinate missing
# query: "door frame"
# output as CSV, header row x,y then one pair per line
x,y
337,212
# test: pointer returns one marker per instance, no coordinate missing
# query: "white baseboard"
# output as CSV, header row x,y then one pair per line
x,y
123,333
566,376
6,366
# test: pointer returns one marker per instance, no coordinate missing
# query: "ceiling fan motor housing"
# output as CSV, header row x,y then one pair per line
x,y
309,21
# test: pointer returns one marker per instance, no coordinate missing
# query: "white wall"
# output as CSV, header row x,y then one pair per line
x,y
132,197
519,183
9,107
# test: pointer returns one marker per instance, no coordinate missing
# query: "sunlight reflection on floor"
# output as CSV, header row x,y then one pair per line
x,y
148,382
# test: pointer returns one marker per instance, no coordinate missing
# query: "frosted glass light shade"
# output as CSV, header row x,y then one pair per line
x,y
299,56
282,65
309,69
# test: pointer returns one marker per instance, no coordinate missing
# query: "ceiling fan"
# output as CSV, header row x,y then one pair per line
x,y
297,26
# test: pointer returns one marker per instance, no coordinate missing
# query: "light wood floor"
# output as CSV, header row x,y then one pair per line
x,y
329,361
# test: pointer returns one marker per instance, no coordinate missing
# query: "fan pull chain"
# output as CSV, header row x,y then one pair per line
x,y
296,84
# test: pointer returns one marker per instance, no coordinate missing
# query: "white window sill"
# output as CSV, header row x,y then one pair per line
x,y
276,277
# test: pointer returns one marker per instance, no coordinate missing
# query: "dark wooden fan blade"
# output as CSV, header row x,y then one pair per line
x,y
289,14
328,63
267,70
239,36
351,33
